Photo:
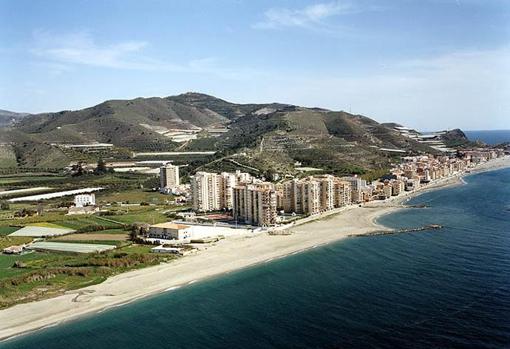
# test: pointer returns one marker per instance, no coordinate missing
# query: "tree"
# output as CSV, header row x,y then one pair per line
x,y
4,206
77,169
40,208
101,167
25,212
138,229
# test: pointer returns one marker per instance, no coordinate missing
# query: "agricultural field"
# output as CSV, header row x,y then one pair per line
x,y
5,181
6,230
115,182
6,241
150,216
99,236
72,247
118,219
37,274
78,223
134,196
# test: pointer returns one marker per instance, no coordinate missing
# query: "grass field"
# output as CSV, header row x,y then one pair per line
x,y
48,225
110,231
78,223
44,275
83,222
6,230
151,217
117,223
135,196
6,241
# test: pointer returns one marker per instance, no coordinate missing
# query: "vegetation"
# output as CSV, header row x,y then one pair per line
x,y
134,196
374,174
333,141
42,275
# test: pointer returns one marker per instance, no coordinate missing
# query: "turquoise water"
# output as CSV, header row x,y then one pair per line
x,y
446,288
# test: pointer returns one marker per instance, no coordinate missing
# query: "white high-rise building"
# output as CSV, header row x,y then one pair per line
x,y
169,177
213,192
228,182
206,191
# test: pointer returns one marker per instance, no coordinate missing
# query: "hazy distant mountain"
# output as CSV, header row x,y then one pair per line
x,y
7,118
267,136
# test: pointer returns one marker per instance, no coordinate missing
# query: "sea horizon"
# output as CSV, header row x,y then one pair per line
x,y
491,137
441,285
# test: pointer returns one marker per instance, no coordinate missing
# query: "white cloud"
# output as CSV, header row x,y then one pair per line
x,y
308,16
60,53
81,48
462,89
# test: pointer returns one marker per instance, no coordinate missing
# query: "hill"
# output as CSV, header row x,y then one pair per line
x,y
267,137
7,118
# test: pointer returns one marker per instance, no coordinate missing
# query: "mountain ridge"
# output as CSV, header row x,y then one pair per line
x,y
8,117
271,135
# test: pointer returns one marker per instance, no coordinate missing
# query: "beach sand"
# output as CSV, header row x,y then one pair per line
x,y
228,255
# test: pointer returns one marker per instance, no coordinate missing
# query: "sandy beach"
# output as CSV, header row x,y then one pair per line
x,y
228,255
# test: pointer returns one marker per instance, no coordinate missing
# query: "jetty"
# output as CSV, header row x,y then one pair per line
x,y
400,231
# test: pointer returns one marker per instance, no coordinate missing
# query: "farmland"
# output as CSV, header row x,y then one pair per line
x,y
42,274
134,196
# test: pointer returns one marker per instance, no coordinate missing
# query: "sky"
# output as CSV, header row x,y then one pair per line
x,y
426,64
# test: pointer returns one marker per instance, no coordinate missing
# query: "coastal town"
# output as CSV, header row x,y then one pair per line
x,y
255,174
248,200
226,221
237,203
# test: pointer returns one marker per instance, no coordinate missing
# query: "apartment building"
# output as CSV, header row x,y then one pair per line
x,y
357,185
398,187
303,196
169,177
206,191
255,204
213,192
327,190
313,195
342,193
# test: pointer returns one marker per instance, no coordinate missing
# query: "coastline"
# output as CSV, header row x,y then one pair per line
x,y
227,256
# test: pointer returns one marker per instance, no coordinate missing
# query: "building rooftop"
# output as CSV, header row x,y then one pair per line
x,y
170,225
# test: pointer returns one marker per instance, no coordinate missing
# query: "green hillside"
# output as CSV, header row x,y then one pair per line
x,y
268,137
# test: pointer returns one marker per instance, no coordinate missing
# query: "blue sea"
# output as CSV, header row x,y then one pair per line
x,y
492,137
447,288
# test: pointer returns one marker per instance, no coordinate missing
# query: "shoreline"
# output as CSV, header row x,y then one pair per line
x,y
226,256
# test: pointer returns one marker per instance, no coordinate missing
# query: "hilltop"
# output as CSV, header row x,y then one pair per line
x,y
267,137
9,117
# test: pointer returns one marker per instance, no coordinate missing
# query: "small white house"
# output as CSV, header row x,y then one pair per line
x,y
170,231
83,200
